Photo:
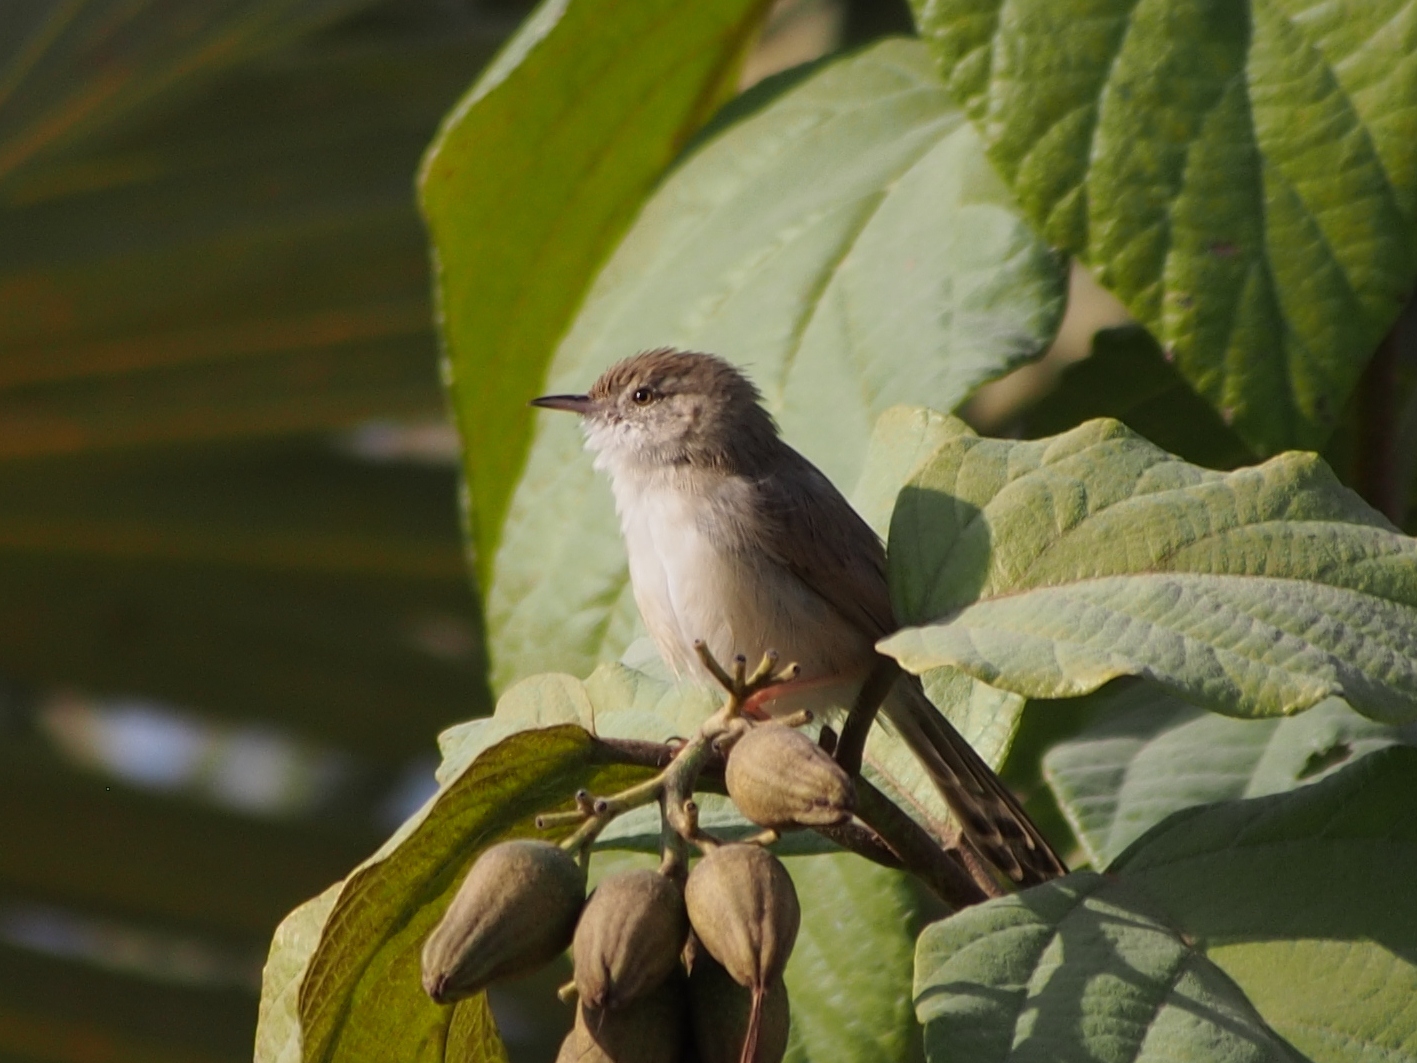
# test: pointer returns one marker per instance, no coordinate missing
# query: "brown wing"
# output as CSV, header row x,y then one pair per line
x,y
809,528
812,530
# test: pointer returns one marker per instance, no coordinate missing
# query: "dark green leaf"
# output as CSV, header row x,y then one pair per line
x,y
361,996
1127,377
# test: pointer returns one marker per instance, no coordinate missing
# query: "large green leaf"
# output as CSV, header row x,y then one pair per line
x,y
1242,174
1080,969
848,242
1241,930
1301,898
1050,567
1150,754
849,976
531,181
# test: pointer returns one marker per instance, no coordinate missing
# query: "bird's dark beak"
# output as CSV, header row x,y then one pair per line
x,y
570,403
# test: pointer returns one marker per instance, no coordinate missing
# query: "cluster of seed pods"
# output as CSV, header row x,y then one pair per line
x,y
667,968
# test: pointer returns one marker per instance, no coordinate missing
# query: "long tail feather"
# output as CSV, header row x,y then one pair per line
x,y
988,814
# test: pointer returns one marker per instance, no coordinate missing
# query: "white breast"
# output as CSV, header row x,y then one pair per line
x,y
694,579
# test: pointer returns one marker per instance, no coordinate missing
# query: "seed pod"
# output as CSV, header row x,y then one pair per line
x,y
515,911
721,1011
743,907
652,1029
780,778
629,938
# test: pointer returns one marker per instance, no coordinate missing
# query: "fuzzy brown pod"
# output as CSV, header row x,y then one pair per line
x,y
780,778
515,911
721,1012
743,907
744,911
629,938
653,1029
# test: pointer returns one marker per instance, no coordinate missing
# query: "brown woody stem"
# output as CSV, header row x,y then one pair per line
x,y
851,746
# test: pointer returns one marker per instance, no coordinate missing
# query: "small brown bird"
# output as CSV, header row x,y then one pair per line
x,y
736,539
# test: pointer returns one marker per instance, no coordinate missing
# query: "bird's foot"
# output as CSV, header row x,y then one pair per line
x,y
745,689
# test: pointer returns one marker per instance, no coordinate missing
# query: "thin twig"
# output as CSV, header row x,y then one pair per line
x,y
851,746
885,836
942,872
862,841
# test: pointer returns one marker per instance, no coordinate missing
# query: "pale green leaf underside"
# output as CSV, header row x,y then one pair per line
x,y
1078,969
1233,931
1246,646
1049,567
850,246
1303,899
1151,755
278,1034
1242,173
849,976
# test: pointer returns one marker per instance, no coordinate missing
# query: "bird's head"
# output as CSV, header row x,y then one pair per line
x,y
666,407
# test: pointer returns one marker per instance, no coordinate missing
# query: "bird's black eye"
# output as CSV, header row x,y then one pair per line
x,y
642,396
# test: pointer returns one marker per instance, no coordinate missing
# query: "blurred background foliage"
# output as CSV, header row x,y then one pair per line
x,y
234,603
234,608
